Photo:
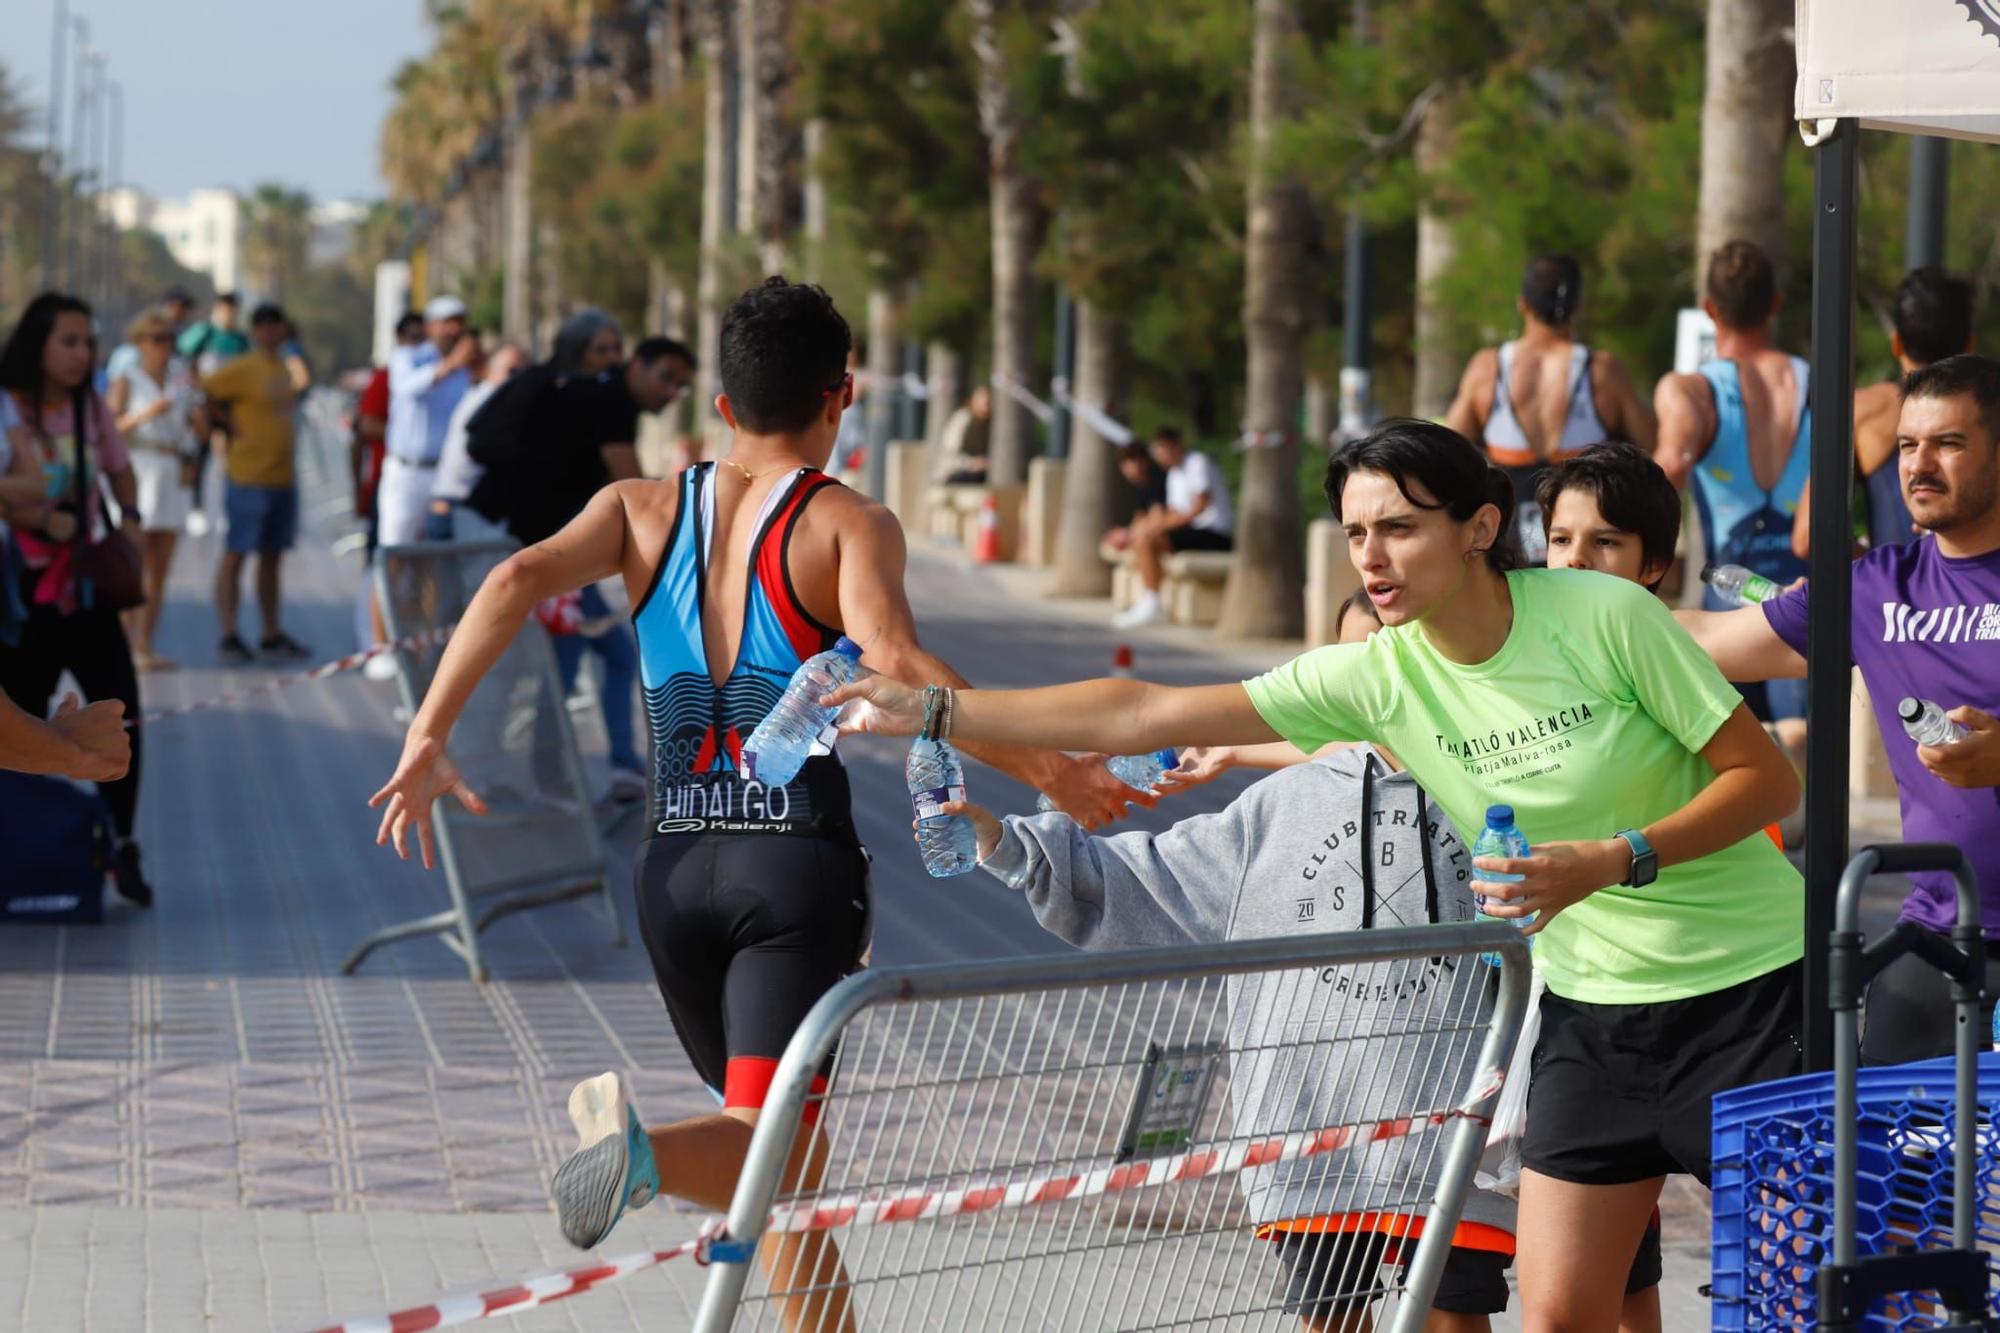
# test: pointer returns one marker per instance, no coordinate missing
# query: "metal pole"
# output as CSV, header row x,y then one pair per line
x,y
1827,657
98,242
1357,406
114,178
1930,175
79,143
52,195
1065,373
909,407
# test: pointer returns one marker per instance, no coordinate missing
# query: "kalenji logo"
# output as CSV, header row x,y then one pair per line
x,y
1986,13
1944,624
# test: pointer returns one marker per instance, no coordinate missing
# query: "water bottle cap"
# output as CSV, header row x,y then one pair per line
x,y
847,648
1168,758
1910,709
1499,816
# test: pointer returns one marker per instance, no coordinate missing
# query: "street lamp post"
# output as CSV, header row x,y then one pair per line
x,y
88,66
52,193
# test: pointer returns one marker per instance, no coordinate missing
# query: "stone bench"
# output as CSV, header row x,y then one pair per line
x,y
1192,588
953,515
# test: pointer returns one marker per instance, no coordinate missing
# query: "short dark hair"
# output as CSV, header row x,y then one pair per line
x,y
1961,375
784,345
176,296
1457,475
225,298
409,322
1743,283
659,348
1171,434
1633,494
1552,288
267,313
1933,314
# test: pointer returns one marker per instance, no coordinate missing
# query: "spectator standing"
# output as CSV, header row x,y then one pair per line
x,y
208,345
963,445
1545,396
263,500
159,410
1737,429
1931,314
366,454
46,366
1196,517
452,517
425,384
176,306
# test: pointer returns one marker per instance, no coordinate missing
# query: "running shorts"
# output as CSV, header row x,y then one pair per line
x,y
746,931
1620,1092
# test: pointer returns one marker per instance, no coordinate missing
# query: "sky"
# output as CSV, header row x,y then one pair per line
x,y
235,92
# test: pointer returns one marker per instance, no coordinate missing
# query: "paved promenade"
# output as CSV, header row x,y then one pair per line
x,y
204,1126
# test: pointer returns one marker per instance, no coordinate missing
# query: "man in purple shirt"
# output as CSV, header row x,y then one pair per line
x,y
1926,625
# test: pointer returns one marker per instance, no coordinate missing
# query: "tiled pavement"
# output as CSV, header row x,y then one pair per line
x,y
202,1125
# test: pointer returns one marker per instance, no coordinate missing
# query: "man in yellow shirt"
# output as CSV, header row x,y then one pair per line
x,y
262,499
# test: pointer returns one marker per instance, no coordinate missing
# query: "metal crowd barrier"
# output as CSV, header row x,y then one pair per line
x,y
1104,1141
539,843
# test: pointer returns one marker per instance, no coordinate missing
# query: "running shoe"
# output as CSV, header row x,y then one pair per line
x,y
613,1167
234,652
126,876
282,647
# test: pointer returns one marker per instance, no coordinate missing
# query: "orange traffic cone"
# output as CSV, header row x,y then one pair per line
x,y
986,544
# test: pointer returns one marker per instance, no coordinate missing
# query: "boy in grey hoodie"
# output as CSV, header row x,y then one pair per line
x,y
1344,841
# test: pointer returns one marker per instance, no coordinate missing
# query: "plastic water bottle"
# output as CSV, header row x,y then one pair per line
x,y
778,748
1738,586
1499,838
1142,771
936,776
1926,723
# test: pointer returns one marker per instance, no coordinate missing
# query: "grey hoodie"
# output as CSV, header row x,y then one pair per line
x,y
1315,1048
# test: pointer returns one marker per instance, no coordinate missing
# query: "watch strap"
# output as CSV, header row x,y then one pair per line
x,y
1643,855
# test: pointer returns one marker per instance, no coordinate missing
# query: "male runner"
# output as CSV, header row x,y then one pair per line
x,y
1545,396
752,901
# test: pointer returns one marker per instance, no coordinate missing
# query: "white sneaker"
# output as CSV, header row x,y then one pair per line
x,y
380,668
1146,611
197,523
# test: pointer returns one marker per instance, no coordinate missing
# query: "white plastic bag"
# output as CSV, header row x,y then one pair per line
x,y
1500,1167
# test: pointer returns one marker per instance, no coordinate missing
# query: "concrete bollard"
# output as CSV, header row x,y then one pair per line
x,y
1041,511
905,485
1330,578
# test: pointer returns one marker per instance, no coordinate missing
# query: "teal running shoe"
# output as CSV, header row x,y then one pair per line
x,y
611,1170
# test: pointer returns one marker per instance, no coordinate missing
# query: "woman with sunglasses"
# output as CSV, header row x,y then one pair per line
x,y
159,411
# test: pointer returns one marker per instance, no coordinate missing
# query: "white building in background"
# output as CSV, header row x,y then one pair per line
x,y
203,230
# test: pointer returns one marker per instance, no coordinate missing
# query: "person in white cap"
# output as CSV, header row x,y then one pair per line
x,y
425,383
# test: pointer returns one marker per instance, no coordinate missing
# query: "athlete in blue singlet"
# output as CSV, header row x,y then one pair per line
x,y
752,900
1737,429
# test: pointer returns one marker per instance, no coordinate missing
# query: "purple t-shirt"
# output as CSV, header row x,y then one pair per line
x,y
1926,625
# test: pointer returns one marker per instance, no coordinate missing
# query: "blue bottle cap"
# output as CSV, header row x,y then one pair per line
x,y
847,647
1167,758
1499,816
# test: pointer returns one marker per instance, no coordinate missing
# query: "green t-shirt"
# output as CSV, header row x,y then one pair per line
x,y
1588,720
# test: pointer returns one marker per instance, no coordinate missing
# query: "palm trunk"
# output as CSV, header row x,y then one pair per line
x,y
885,351
1265,594
718,155
1091,485
1438,360
814,203
516,318
1017,235
762,148
944,380
1746,116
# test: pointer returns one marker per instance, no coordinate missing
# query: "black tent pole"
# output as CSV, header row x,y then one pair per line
x,y
1828,658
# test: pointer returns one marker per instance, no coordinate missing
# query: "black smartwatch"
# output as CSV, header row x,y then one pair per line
x,y
1645,861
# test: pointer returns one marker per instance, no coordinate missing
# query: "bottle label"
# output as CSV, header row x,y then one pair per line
x,y
931,801
1757,588
824,742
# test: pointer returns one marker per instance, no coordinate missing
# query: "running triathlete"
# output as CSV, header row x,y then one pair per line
x,y
752,902
1545,396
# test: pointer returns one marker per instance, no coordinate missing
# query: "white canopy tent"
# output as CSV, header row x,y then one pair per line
x,y
1909,66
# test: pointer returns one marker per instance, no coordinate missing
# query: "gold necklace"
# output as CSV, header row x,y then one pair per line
x,y
750,478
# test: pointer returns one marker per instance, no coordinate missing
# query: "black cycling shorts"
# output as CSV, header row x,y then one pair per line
x,y
746,931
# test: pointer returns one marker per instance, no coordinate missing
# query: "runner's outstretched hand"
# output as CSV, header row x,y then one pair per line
x,y
423,775
1088,792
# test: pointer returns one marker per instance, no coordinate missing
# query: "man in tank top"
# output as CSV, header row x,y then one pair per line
x,y
1738,429
1545,397
752,901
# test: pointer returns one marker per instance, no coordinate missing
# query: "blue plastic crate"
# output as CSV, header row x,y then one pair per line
x,y
1773,1205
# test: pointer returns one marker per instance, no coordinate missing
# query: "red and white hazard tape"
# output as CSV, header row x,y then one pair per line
x,y
855,1210
230,698
526,1294
858,1211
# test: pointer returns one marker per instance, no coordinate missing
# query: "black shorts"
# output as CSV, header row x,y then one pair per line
x,y
1333,1272
1620,1092
1909,1014
1199,539
746,931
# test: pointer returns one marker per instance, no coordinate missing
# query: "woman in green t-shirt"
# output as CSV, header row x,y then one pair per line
x,y
1669,928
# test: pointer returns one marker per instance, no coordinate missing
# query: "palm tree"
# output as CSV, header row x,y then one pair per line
x,y
764,140
1264,597
1437,356
1746,114
1018,220
1091,486
277,238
